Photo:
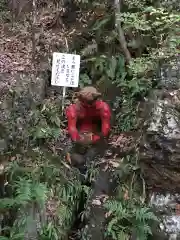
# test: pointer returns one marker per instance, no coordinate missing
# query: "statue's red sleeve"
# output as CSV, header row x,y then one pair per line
x,y
71,114
105,115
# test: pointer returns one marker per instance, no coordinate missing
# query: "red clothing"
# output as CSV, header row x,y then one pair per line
x,y
85,118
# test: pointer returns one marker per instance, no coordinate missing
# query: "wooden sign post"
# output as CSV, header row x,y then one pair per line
x,y
65,71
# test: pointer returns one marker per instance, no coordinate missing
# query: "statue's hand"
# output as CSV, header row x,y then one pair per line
x,y
86,138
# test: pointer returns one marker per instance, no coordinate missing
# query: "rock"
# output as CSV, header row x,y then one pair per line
x,y
160,150
169,74
167,207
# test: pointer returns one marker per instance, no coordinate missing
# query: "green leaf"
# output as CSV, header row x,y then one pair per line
x,y
101,23
55,119
149,9
7,203
122,236
55,133
4,238
112,68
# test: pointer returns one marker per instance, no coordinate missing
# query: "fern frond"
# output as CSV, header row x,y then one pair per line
x,y
111,224
145,214
101,23
6,203
20,224
117,209
122,236
89,50
111,205
39,193
147,229
65,215
111,38
23,190
142,231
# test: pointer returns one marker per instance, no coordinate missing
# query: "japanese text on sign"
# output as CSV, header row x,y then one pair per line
x,y
65,70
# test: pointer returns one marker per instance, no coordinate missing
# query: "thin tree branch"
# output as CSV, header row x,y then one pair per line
x,y
34,16
122,39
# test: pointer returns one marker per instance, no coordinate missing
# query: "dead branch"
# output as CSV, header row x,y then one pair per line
x,y
122,39
34,16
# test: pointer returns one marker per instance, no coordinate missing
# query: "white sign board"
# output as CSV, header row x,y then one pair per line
x,y
65,70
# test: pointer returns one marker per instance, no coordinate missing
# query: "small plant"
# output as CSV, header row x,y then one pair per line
x,y
127,218
84,80
49,232
47,190
127,213
46,122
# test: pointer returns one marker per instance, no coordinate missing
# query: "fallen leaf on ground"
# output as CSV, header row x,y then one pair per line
x,y
68,157
66,165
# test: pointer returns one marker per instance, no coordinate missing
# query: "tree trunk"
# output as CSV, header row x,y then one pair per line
x,y
122,39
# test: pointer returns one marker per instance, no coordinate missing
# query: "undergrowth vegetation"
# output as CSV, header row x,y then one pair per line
x,y
40,190
120,50
128,213
151,37
44,189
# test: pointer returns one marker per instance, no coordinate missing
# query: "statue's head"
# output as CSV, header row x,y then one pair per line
x,y
88,95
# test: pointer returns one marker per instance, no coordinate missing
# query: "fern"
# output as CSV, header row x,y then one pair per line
x,y
23,190
111,37
117,208
84,80
39,193
26,191
65,214
101,23
18,236
50,232
127,218
122,236
112,223
144,214
7,203
143,231
89,50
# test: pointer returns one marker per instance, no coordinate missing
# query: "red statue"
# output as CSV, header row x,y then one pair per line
x,y
89,118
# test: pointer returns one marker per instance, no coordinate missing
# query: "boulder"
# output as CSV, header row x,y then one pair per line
x,y
160,142
168,208
160,149
168,74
